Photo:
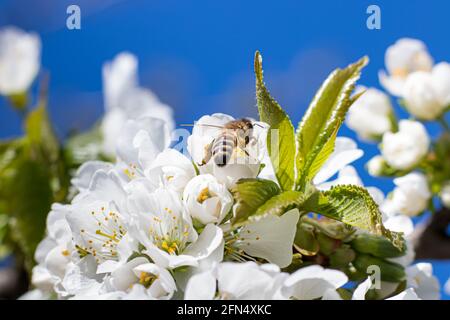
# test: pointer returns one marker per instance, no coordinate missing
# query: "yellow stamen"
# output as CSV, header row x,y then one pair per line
x,y
204,194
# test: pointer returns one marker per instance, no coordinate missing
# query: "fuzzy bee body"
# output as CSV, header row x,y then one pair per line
x,y
234,135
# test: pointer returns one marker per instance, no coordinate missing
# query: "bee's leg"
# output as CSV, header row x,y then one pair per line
x,y
208,153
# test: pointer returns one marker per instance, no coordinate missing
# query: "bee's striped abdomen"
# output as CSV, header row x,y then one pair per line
x,y
223,147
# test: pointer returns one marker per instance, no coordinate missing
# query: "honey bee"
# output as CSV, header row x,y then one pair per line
x,y
234,137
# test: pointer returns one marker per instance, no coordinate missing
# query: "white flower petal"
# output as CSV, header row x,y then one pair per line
x,y
19,60
201,286
271,237
86,171
312,282
361,290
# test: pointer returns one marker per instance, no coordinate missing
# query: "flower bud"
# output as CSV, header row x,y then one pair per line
x,y
376,246
19,60
342,257
421,98
375,166
206,199
401,59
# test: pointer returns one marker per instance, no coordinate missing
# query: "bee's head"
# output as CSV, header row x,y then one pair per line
x,y
246,128
245,124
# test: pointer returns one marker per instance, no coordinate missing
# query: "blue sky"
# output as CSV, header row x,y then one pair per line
x,y
197,55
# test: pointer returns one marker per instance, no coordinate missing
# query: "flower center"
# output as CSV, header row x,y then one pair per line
x,y
399,72
130,172
170,246
204,195
147,279
169,232
102,242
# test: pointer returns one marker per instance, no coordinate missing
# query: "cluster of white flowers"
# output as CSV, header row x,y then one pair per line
x,y
125,100
151,227
156,225
412,76
424,90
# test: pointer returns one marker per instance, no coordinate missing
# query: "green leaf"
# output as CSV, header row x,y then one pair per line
x,y
322,157
250,194
4,248
29,199
33,175
318,129
354,206
279,204
39,133
281,137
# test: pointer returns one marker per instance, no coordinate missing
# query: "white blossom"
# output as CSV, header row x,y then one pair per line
x,y
312,282
141,279
401,59
370,115
427,94
404,149
20,54
237,281
163,226
207,200
375,165
270,237
53,253
420,277
171,169
139,143
126,100
410,196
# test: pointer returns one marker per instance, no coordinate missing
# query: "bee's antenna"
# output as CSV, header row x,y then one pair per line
x,y
201,125
258,125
